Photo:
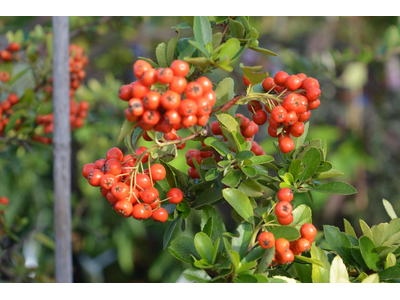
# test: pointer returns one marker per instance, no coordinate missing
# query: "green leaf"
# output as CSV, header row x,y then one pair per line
x,y
218,223
295,168
237,29
216,39
266,260
254,254
356,255
299,141
339,242
189,20
369,253
264,51
319,274
182,247
161,54
287,232
230,48
310,260
249,171
247,266
212,174
258,160
228,122
301,215
241,243
204,246
243,155
374,278
338,272
304,272
222,148
288,179
196,275
215,250
349,229
232,179
390,273
335,187
152,63
251,188
390,260
240,202
330,174
366,229
202,30
171,47
311,160
253,76
208,196
126,129
389,209
208,227
200,47
169,231
225,92
380,233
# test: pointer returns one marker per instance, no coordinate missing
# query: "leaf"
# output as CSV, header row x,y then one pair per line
x,y
319,274
204,246
182,247
390,260
295,168
196,275
240,202
169,231
171,47
208,196
225,92
390,273
339,242
288,179
218,223
264,51
254,254
356,255
161,54
369,253
189,20
299,141
366,230
222,148
311,160
229,122
44,240
247,266
301,215
330,174
310,260
389,209
349,229
335,187
287,232
249,171
230,48
241,243
266,260
152,63
216,39
253,76
303,272
200,47
338,272
232,179
251,188
236,28
243,155
127,128
215,250
374,278
258,160
202,30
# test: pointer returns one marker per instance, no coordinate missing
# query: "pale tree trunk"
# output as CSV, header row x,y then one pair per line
x,y
62,150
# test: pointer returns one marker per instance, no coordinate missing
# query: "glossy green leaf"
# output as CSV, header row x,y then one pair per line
x,y
339,242
202,30
169,231
182,247
241,243
335,187
222,148
161,54
374,278
196,275
258,160
349,229
319,274
301,215
287,232
240,202
311,161
369,253
232,179
251,188
264,51
338,271
204,246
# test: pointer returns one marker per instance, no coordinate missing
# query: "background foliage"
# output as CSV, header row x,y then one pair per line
x,y
356,60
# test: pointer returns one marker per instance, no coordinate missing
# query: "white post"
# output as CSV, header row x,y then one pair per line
x,y
62,150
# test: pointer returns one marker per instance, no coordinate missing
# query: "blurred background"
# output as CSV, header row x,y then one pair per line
x,y
356,60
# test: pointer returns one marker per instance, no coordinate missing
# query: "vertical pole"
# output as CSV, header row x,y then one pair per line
x,y
62,150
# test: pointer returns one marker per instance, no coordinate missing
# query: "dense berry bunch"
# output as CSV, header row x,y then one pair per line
x,y
6,112
77,61
78,113
285,250
162,99
7,55
131,193
296,96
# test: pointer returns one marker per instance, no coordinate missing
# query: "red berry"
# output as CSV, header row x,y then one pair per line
x,y
280,78
285,194
158,172
160,215
123,208
175,195
293,82
266,240
286,144
283,209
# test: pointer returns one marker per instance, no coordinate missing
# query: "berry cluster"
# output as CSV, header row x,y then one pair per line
x,y
297,96
129,192
7,55
78,113
6,112
154,105
77,61
285,250
170,136
283,209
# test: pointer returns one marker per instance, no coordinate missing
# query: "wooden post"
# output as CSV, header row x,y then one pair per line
x,y
62,150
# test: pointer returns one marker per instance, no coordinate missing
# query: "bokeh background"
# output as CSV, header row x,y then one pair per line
x,y
356,60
